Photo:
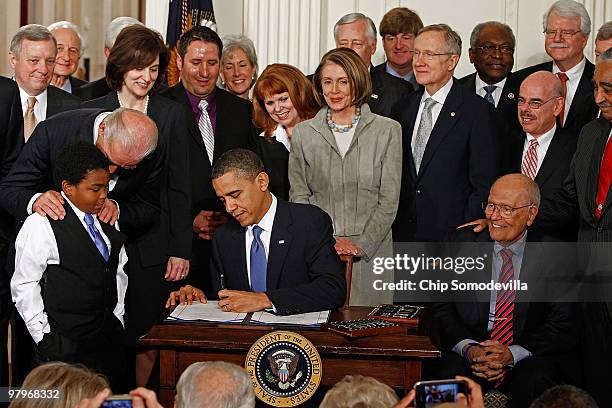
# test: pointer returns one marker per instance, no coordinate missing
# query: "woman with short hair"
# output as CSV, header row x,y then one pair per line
x,y
238,65
348,161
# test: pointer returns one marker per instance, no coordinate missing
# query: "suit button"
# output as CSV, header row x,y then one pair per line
x,y
418,192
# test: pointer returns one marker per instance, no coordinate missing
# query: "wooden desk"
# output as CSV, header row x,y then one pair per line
x,y
394,359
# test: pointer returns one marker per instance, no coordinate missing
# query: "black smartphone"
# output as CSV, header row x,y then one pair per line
x,y
118,401
433,393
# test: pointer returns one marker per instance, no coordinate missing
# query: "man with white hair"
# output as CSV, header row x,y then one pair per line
x,y
69,44
566,26
98,88
358,32
214,384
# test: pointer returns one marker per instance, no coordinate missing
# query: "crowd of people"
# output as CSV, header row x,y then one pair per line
x,y
122,196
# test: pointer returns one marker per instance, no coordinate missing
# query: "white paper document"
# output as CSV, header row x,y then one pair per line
x,y
303,319
209,312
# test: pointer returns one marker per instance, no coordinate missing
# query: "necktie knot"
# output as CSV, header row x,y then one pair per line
x,y
257,230
429,104
203,105
31,102
533,143
89,219
489,89
563,76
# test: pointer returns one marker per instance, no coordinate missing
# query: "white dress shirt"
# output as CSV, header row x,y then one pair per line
x,y
280,134
497,93
40,108
543,144
111,182
574,74
440,97
36,247
266,224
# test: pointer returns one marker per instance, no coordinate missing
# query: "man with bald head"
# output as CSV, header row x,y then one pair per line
x,y
542,150
523,348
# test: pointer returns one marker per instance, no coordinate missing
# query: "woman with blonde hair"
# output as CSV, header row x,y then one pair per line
x,y
348,161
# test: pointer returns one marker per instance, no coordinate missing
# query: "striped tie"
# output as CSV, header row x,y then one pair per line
x,y
564,78
206,130
489,89
504,304
530,161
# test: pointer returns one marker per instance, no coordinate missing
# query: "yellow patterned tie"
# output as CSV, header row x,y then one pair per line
x,y
29,120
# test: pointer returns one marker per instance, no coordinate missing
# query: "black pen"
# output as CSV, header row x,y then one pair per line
x,y
222,280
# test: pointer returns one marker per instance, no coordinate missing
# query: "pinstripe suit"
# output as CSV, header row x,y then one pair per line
x,y
577,198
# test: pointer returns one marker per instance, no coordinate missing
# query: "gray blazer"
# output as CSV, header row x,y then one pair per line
x,y
360,191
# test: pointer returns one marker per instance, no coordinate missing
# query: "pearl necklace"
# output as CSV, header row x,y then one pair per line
x,y
146,104
335,128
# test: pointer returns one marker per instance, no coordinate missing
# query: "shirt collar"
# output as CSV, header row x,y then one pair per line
x,y
41,98
544,138
441,94
390,70
267,221
573,73
517,248
481,84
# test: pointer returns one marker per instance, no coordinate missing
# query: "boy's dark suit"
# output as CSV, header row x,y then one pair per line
x,y
550,331
304,272
80,294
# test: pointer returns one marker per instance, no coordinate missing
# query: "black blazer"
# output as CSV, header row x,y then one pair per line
x,y
233,130
458,167
583,108
172,236
383,68
92,90
32,172
76,83
304,271
59,100
543,328
387,90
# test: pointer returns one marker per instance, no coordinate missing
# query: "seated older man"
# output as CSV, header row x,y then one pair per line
x,y
522,347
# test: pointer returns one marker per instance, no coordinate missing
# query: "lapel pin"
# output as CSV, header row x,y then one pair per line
x,y
453,114
510,95
282,241
374,96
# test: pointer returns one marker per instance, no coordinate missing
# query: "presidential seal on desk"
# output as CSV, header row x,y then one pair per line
x,y
285,368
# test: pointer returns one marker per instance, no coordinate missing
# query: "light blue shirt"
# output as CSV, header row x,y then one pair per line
x,y
408,77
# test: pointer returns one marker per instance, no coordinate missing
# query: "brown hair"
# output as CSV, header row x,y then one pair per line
x,y
279,78
356,71
73,383
136,47
400,20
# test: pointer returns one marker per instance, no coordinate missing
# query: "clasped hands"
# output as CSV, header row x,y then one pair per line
x,y
236,301
51,204
489,360
206,222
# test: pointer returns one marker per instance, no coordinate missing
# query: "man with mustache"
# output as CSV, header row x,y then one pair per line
x,y
566,27
541,150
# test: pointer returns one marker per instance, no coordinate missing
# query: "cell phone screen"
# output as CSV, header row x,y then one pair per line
x,y
436,393
117,403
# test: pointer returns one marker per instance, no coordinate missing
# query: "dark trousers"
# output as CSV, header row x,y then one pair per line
x,y
528,379
6,308
102,352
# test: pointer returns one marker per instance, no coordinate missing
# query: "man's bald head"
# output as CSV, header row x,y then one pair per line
x,y
126,137
540,101
528,188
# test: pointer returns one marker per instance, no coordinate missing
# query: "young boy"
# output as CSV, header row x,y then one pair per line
x,y
69,282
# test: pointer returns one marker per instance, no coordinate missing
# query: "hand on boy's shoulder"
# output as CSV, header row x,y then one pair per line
x,y
50,203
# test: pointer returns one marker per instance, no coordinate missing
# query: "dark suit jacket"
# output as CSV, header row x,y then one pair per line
x,y
76,83
172,193
92,90
553,171
583,108
543,328
458,167
387,90
304,271
383,68
32,172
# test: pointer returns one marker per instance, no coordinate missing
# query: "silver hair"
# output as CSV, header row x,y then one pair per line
x,y
30,32
114,28
607,55
117,132
353,17
479,27
453,40
604,32
234,42
569,8
189,395
66,24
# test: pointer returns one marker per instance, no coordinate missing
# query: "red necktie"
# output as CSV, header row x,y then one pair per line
x,y
504,304
530,161
564,78
605,177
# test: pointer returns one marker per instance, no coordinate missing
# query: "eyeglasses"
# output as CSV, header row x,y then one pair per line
x,y
492,49
535,105
427,55
505,211
565,34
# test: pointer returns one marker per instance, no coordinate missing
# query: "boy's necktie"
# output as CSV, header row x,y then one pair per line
x,y
96,237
